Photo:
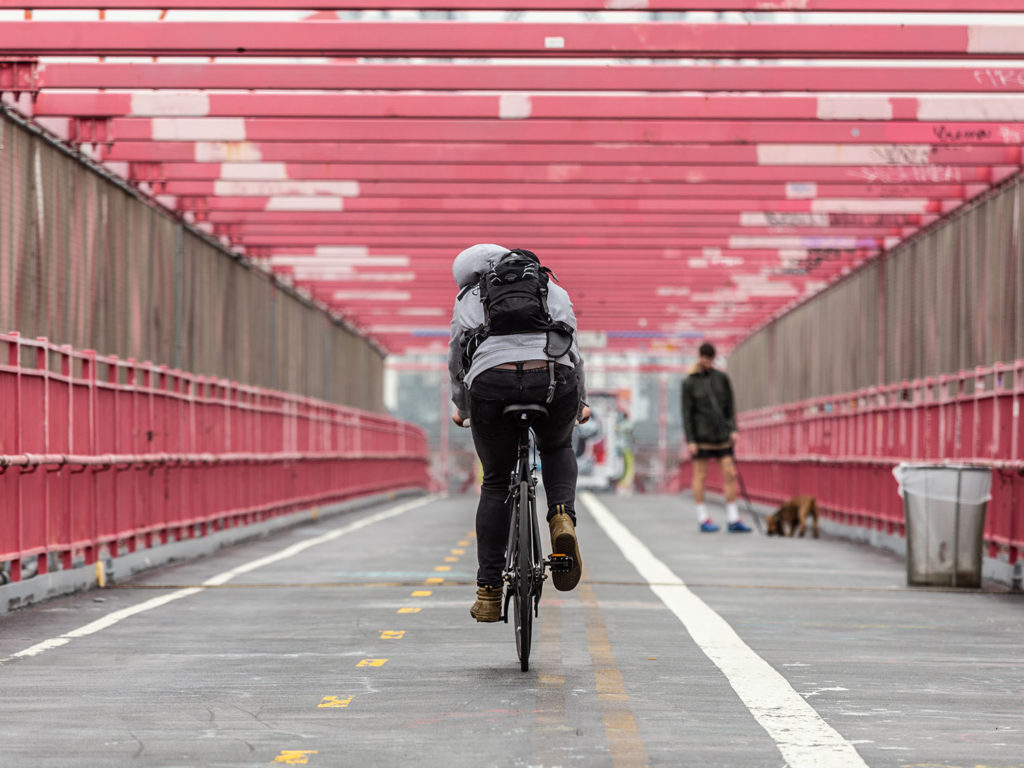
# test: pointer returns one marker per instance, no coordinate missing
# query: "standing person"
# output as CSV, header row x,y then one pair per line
x,y
709,420
516,344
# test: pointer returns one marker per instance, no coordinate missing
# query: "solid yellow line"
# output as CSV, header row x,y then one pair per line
x,y
624,743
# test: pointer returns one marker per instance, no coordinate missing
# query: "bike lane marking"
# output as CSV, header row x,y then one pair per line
x,y
624,743
116,616
801,735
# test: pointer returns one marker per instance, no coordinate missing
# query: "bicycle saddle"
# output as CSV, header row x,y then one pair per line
x,y
526,413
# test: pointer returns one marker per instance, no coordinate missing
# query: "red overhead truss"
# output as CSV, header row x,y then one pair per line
x,y
685,180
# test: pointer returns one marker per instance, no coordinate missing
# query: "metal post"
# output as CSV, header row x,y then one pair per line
x,y
956,524
179,257
445,421
662,431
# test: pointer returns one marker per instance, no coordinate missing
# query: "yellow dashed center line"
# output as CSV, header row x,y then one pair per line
x,y
443,568
334,702
624,743
409,610
392,634
372,663
422,593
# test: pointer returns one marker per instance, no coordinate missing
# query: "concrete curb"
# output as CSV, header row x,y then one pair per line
x,y
119,569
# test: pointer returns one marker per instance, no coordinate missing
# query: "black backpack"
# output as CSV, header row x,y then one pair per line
x,y
514,294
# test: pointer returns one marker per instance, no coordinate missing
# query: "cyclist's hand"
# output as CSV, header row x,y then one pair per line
x,y
584,415
692,448
734,438
460,421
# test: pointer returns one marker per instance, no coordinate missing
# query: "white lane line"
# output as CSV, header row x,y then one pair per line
x,y
802,736
113,618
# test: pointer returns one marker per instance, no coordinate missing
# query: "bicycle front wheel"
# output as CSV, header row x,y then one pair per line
x,y
523,600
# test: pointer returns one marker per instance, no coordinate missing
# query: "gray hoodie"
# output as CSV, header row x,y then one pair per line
x,y
467,269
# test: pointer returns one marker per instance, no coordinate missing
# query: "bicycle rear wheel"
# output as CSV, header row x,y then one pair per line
x,y
522,601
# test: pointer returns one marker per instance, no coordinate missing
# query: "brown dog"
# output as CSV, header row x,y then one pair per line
x,y
793,515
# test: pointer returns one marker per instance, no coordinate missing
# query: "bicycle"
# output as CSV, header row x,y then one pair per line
x,y
524,572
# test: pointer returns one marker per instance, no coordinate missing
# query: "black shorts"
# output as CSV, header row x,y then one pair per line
x,y
713,453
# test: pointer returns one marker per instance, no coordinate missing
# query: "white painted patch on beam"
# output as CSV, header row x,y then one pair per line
x,y
987,108
253,171
625,5
801,735
227,152
372,295
783,219
991,39
515,106
304,204
842,154
351,251
554,42
207,129
61,126
772,242
231,188
870,205
170,104
854,108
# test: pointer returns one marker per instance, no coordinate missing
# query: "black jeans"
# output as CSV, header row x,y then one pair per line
x,y
495,441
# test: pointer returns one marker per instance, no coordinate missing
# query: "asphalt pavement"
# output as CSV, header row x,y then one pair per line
x,y
348,642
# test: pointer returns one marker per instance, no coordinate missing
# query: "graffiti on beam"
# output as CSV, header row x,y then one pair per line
x,y
901,154
814,258
836,219
909,174
1000,78
948,135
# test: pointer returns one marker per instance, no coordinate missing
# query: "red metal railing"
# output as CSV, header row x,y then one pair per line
x,y
842,448
101,453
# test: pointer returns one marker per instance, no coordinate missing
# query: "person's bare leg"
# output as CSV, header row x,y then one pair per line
x,y
700,473
730,479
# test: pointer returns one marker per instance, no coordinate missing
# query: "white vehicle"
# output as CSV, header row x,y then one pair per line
x,y
602,444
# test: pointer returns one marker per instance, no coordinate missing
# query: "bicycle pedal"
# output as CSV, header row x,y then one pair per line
x,y
560,563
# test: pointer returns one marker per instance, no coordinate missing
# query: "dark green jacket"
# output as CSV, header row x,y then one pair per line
x,y
709,415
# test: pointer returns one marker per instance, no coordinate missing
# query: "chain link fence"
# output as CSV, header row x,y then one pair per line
x,y
950,299
85,261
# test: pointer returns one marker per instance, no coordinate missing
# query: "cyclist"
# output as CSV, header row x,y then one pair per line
x,y
506,369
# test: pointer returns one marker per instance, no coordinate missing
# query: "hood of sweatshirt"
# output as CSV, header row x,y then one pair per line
x,y
474,261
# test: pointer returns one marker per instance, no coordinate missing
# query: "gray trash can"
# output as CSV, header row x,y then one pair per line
x,y
944,507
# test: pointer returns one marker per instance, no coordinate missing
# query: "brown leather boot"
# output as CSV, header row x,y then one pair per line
x,y
563,542
488,604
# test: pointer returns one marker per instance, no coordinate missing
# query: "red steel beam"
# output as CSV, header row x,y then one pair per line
x,y
344,190
541,77
710,198
492,40
640,235
621,129
595,221
554,174
153,154
726,240
912,6
638,106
